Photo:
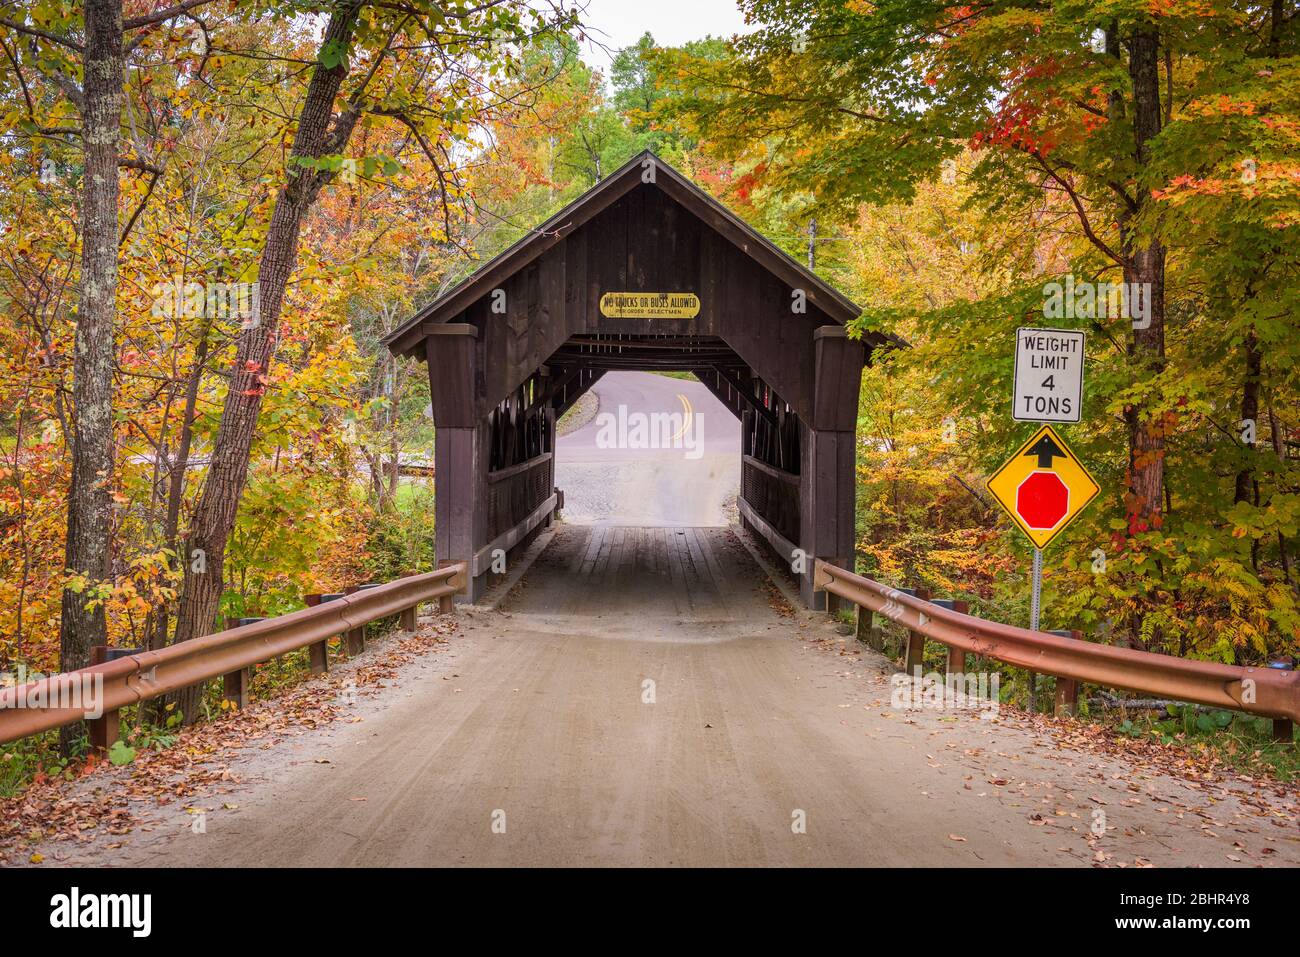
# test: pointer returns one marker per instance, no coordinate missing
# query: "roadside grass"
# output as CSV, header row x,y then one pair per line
x,y
21,761
409,491
676,375
1241,741
579,414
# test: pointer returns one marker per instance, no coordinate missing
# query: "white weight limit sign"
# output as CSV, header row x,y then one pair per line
x,y
1049,375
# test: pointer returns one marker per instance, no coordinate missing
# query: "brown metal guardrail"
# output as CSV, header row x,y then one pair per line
x,y
1263,691
130,679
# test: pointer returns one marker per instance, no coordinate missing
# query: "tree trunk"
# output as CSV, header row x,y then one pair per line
x,y
214,517
176,477
1145,265
1279,449
1243,489
89,494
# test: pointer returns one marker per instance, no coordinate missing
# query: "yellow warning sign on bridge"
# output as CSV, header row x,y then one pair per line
x,y
650,305
1043,486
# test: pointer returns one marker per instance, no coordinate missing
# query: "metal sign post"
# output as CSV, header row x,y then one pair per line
x,y
1035,602
1037,593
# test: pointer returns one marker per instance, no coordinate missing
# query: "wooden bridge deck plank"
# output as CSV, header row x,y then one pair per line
x,y
657,572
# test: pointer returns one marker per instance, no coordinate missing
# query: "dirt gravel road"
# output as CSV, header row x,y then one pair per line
x,y
762,738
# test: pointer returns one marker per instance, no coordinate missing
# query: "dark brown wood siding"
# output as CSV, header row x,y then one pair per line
x,y
644,242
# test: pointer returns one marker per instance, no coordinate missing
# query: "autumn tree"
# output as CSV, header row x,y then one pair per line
x,y
1119,134
856,102
84,58
425,66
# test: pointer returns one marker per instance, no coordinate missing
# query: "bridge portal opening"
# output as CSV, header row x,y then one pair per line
x,y
644,273
651,449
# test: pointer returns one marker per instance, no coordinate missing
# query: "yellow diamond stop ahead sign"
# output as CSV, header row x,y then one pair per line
x,y
1043,486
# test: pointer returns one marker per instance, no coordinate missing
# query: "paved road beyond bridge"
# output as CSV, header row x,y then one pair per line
x,y
687,485
644,697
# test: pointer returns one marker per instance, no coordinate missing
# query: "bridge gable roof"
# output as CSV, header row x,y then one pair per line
x,y
407,338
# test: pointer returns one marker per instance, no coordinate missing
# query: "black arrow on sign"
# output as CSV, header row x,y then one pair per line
x,y
1046,450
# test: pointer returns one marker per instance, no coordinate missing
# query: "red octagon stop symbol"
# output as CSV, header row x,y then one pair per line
x,y
1042,500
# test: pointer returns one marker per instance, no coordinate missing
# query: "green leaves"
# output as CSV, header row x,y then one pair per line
x,y
120,754
861,111
351,166
333,53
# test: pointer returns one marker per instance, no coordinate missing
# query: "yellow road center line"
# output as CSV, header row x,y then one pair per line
x,y
688,413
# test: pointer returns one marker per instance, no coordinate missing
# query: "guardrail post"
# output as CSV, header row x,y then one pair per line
x,y
1067,689
106,729
956,656
234,688
1283,728
915,655
355,638
318,654
447,603
234,684
1067,697
409,615
868,632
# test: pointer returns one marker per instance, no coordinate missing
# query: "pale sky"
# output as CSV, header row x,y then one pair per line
x,y
620,23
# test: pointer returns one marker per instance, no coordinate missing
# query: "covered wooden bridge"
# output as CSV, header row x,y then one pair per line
x,y
645,271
